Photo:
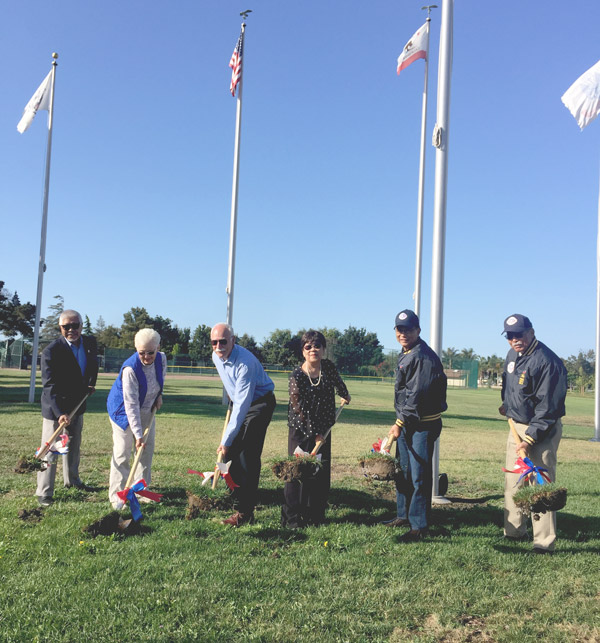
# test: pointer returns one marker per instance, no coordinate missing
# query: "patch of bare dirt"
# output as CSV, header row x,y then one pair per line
x,y
379,468
31,515
196,504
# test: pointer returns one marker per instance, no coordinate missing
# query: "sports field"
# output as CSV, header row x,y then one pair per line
x,y
348,580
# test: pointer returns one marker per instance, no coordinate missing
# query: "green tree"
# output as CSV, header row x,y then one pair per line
x,y
281,347
468,353
184,340
200,348
580,370
50,329
356,348
133,320
87,326
106,336
448,357
15,317
169,335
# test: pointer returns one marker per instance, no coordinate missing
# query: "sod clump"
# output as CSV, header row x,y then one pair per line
x,y
538,499
31,515
106,526
379,466
295,468
207,499
29,464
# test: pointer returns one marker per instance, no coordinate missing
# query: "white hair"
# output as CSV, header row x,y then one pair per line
x,y
70,313
147,337
228,327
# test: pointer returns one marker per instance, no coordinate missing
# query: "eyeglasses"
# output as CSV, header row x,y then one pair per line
x,y
220,342
147,353
404,329
511,336
308,347
70,326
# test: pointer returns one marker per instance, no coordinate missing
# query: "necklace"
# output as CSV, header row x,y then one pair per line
x,y
310,378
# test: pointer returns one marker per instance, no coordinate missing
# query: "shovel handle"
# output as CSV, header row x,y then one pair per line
x,y
516,436
138,453
320,443
217,474
44,450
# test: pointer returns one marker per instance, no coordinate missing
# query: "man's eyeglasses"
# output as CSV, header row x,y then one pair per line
x,y
511,336
148,353
308,347
70,326
220,342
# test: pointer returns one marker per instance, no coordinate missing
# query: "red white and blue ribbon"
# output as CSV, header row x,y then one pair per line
x,y
60,446
129,494
526,468
223,471
382,446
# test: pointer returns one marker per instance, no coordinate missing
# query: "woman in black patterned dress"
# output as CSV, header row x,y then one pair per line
x,y
311,412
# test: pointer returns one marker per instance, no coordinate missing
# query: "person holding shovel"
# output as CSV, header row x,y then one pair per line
x,y
250,391
134,397
69,372
311,413
534,388
420,400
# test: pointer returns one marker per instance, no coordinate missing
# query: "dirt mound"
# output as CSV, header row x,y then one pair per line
x,y
29,463
378,468
296,469
196,504
542,500
31,515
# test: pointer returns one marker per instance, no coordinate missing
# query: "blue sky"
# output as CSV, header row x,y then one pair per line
x,y
142,162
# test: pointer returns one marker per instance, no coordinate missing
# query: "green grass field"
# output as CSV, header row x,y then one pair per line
x,y
348,580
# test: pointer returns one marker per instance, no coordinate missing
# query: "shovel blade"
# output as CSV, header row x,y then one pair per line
x,y
124,524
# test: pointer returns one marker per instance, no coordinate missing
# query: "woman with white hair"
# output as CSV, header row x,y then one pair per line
x,y
132,398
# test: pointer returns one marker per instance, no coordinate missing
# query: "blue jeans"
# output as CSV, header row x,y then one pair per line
x,y
413,487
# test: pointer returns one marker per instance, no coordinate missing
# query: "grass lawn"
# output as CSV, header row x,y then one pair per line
x,y
348,580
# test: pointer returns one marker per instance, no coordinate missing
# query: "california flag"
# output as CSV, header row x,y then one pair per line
x,y
414,49
40,100
582,98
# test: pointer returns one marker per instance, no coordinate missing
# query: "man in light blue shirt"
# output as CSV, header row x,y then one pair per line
x,y
250,392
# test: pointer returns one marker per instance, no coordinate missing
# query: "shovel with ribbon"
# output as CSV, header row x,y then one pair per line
x,y
300,452
128,494
523,465
59,446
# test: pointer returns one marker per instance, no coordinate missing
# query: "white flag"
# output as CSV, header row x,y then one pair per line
x,y
40,100
414,49
582,98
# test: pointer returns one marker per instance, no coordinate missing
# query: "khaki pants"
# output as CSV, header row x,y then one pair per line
x,y
45,479
542,454
123,445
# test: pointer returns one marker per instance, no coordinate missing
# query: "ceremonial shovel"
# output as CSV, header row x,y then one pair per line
x,y
217,473
43,450
123,524
320,443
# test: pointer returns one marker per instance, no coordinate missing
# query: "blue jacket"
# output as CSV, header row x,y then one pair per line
x,y
115,403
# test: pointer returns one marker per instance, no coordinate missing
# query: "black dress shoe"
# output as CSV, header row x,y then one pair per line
x,y
238,519
395,522
414,536
539,550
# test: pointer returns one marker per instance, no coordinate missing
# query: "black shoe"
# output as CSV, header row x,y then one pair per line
x,y
44,501
414,536
517,538
539,550
395,522
238,519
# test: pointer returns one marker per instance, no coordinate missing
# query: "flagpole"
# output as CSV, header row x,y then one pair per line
x,y
234,189
42,261
420,204
596,437
440,141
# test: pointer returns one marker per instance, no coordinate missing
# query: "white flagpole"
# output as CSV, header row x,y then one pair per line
x,y
418,259
234,189
42,261
596,437
441,138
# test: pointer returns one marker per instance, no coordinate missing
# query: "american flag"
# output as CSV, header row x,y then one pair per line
x,y
236,64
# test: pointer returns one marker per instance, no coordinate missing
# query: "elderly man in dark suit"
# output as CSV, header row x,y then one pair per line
x,y
69,371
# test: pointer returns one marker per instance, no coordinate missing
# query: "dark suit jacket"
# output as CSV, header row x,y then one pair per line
x,y
63,384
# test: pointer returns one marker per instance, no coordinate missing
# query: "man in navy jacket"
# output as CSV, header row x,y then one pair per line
x,y
69,372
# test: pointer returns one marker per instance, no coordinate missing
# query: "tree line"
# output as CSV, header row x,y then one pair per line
x,y
354,350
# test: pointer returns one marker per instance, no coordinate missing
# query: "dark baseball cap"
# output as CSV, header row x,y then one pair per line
x,y
516,324
407,319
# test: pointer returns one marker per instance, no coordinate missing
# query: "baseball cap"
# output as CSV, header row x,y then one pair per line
x,y
407,319
516,324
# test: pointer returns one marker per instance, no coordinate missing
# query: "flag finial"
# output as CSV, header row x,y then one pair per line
x,y
55,57
244,14
429,7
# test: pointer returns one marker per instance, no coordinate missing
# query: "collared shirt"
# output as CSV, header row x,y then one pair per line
x,y
245,381
79,352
